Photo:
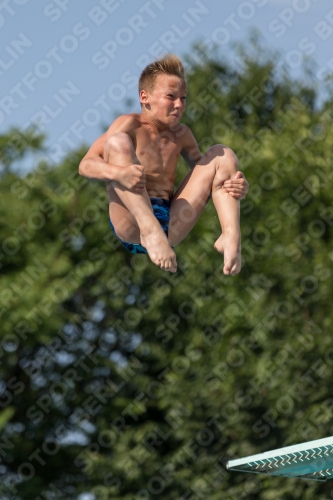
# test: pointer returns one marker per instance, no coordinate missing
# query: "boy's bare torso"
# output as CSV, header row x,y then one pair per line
x,y
157,150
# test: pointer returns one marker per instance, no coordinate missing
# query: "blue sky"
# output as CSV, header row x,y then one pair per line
x,y
70,67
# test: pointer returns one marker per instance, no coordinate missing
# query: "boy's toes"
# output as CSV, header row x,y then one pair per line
x,y
164,266
173,267
235,268
231,268
227,269
234,271
168,266
173,264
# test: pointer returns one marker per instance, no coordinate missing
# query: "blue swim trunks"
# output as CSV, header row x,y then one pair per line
x,y
161,210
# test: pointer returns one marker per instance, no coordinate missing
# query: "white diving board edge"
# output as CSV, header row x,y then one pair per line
x,y
310,460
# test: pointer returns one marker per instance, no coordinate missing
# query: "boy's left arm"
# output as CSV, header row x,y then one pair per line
x,y
190,149
189,162
236,187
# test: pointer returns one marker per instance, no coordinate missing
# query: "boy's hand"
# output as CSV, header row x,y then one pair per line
x,y
237,187
131,178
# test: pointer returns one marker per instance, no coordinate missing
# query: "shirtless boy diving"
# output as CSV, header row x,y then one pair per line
x,y
137,158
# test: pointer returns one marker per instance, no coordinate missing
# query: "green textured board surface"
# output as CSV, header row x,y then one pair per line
x,y
311,460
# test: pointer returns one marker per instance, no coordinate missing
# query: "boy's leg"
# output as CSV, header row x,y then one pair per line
x,y
131,212
216,166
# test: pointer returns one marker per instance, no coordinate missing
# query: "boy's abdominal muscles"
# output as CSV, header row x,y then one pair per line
x,y
159,186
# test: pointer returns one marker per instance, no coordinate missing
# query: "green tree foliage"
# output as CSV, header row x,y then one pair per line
x,y
125,382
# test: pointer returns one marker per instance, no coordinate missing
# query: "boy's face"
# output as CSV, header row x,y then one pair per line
x,y
166,102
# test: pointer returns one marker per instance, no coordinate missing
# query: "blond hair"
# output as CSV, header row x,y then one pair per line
x,y
170,64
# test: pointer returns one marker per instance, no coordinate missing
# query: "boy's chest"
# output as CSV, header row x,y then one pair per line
x,y
159,150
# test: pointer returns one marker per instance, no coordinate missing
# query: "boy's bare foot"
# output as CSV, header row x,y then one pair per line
x,y
159,250
230,246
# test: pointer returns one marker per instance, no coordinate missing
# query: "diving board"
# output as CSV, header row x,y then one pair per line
x,y
311,460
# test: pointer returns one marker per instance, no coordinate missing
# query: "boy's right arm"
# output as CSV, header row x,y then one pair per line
x,y
94,166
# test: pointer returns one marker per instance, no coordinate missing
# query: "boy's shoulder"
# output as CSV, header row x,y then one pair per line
x,y
186,129
186,133
128,119
124,123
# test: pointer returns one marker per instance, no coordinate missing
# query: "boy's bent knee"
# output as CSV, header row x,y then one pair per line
x,y
226,165
226,159
225,154
119,143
